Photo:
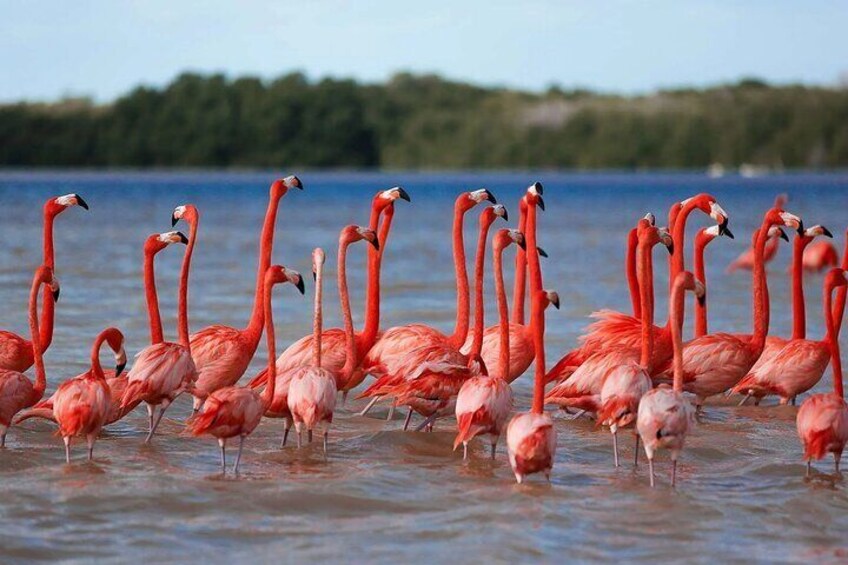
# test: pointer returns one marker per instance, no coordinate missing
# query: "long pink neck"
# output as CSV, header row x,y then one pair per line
x,y
841,292
37,348
351,360
799,312
182,301
701,241
317,315
48,306
677,296
533,266
679,214
153,315
96,368
759,293
486,220
632,275
253,331
381,223
268,315
460,331
503,311
520,288
646,284
538,314
833,340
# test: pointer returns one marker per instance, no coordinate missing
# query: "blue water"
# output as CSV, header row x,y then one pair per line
x,y
385,495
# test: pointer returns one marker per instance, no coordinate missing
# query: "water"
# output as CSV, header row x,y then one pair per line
x,y
385,495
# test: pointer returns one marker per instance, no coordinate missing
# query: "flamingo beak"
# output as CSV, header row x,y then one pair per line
x,y
702,299
183,238
375,243
56,295
80,202
403,195
537,186
541,252
555,302
783,235
174,220
119,368
826,232
300,286
725,231
541,203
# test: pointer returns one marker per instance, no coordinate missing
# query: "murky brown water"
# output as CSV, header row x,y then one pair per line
x,y
384,495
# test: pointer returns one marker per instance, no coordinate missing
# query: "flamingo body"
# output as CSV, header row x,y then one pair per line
x,y
81,406
531,440
228,412
521,350
483,406
312,398
16,393
582,390
819,256
794,369
388,353
664,419
15,352
221,355
161,372
623,388
823,425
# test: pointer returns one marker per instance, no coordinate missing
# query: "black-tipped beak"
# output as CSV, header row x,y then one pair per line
x,y
522,243
541,203
56,295
491,197
375,243
555,302
702,300
727,233
403,195
670,248
722,227
300,286
785,237
174,220
183,238
81,203
538,187
826,232
506,215
298,185
800,227
541,252
314,276
119,368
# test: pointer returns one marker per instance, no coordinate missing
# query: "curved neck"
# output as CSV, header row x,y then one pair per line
x,y
832,339
381,223
350,337
699,269
538,315
253,331
96,368
646,283
317,316
268,315
479,265
503,312
677,297
759,294
520,286
678,236
632,275
460,331
48,306
153,316
37,347
799,312
182,300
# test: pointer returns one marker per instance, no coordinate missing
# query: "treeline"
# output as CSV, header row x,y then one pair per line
x,y
428,122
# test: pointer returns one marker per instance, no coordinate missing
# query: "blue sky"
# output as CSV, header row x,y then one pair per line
x,y
102,48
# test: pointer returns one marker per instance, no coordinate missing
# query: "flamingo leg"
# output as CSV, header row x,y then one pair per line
x,y
578,414
3,436
426,424
344,398
836,458
150,410
809,465
67,440
223,443
673,472
793,400
238,456
326,435
615,448
408,418
391,412
745,399
195,406
651,468
153,429
464,450
90,438
309,435
494,446
370,405
286,429
299,438
636,455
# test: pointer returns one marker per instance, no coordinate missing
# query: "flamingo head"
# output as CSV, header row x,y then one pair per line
x,y
650,235
491,213
386,198
57,205
780,217
550,297
353,233
533,196
709,206
777,232
159,241
45,275
468,200
280,186
277,274
318,259
504,237
817,230
185,212
685,280
115,339
651,218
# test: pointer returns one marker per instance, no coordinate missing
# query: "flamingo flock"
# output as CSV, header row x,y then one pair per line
x,y
626,372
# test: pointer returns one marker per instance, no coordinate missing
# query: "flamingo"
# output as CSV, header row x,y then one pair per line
x,y
822,420
333,356
17,392
82,404
789,367
389,351
624,385
611,329
222,353
746,258
164,370
714,363
820,256
484,403
312,392
17,353
235,411
279,405
702,239
431,374
582,389
665,415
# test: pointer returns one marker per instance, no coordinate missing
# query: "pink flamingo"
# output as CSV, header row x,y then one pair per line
x,y
624,385
17,353
582,389
484,403
822,420
714,363
17,392
333,357
789,367
702,239
164,370
279,405
665,415
431,374
612,329
520,335
530,436
312,392
820,256
235,411
388,353
82,404
222,353
745,260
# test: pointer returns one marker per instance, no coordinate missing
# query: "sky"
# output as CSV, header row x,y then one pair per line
x,y
103,48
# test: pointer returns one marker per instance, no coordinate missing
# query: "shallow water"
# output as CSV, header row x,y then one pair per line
x,y
385,495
